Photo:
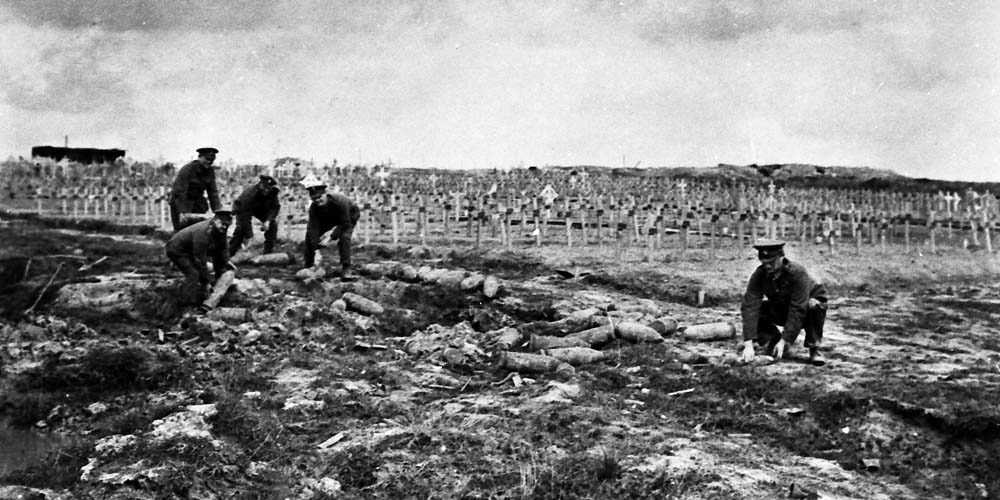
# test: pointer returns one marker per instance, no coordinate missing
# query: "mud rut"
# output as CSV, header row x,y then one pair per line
x,y
313,401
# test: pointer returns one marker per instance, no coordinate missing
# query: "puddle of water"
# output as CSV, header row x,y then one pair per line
x,y
21,448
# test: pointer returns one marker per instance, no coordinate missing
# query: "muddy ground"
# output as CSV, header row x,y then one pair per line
x,y
136,398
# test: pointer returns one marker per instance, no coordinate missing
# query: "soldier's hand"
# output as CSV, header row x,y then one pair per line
x,y
747,354
813,303
779,349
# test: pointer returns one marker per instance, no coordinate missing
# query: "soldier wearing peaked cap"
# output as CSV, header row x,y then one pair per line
x,y
258,201
192,183
329,212
781,292
189,250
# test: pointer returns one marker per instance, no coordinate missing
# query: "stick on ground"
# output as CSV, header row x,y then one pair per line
x,y
44,289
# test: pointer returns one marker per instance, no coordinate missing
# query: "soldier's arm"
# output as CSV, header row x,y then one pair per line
x,y
274,207
213,193
312,236
750,304
178,191
220,256
199,251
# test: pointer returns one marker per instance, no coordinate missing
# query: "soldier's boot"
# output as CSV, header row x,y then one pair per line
x,y
346,274
816,357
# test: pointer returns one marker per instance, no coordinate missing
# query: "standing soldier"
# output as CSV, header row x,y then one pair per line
x,y
329,211
187,195
261,201
190,248
781,292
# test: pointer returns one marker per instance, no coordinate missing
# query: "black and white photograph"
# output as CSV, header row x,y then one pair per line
x,y
499,249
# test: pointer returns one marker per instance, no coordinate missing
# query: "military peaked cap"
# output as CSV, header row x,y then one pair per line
x,y
767,249
202,151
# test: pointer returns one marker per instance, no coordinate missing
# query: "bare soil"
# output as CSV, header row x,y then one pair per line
x,y
906,406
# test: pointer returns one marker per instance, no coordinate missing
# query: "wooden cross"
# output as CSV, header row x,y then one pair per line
x,y
382,176
549,194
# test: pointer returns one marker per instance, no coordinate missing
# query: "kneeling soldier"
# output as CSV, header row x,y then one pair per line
x,y
328,212
190,248
781,292
258,201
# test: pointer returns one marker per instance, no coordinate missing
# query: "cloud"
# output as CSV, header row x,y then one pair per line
x,y
143,15
482,83
75,78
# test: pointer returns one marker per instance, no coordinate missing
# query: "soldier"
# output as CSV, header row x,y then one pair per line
x,y
327,212
190,248
781,292
261,201
187,195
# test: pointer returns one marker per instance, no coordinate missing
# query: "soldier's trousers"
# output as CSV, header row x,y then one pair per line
x,y
343,234
244,231
773,314
192,291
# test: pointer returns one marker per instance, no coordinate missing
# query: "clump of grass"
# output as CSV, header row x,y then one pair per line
x,y
589,477
232,376
60,468
255,428
508,265
107,369
399,323
135,419
608,466
356,468
24,409
655,286
532,307
428,304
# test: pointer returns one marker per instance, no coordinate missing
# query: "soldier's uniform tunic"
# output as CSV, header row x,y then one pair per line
x,y
340,214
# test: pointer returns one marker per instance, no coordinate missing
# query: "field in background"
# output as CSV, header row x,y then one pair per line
x,y
303,397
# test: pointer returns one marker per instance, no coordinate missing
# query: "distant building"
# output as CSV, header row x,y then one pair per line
x,y
79,155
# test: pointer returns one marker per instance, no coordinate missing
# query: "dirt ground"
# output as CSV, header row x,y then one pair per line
x,y
138,398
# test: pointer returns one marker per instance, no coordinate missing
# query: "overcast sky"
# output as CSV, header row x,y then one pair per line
x,y
912,86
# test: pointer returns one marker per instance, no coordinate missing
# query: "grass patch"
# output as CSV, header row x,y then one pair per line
x,y
598,477
37,239
949,428
59,469
24,409
532,306
254,427
107,369
967,309
656,286
419,306
96,374
135,419
506,264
